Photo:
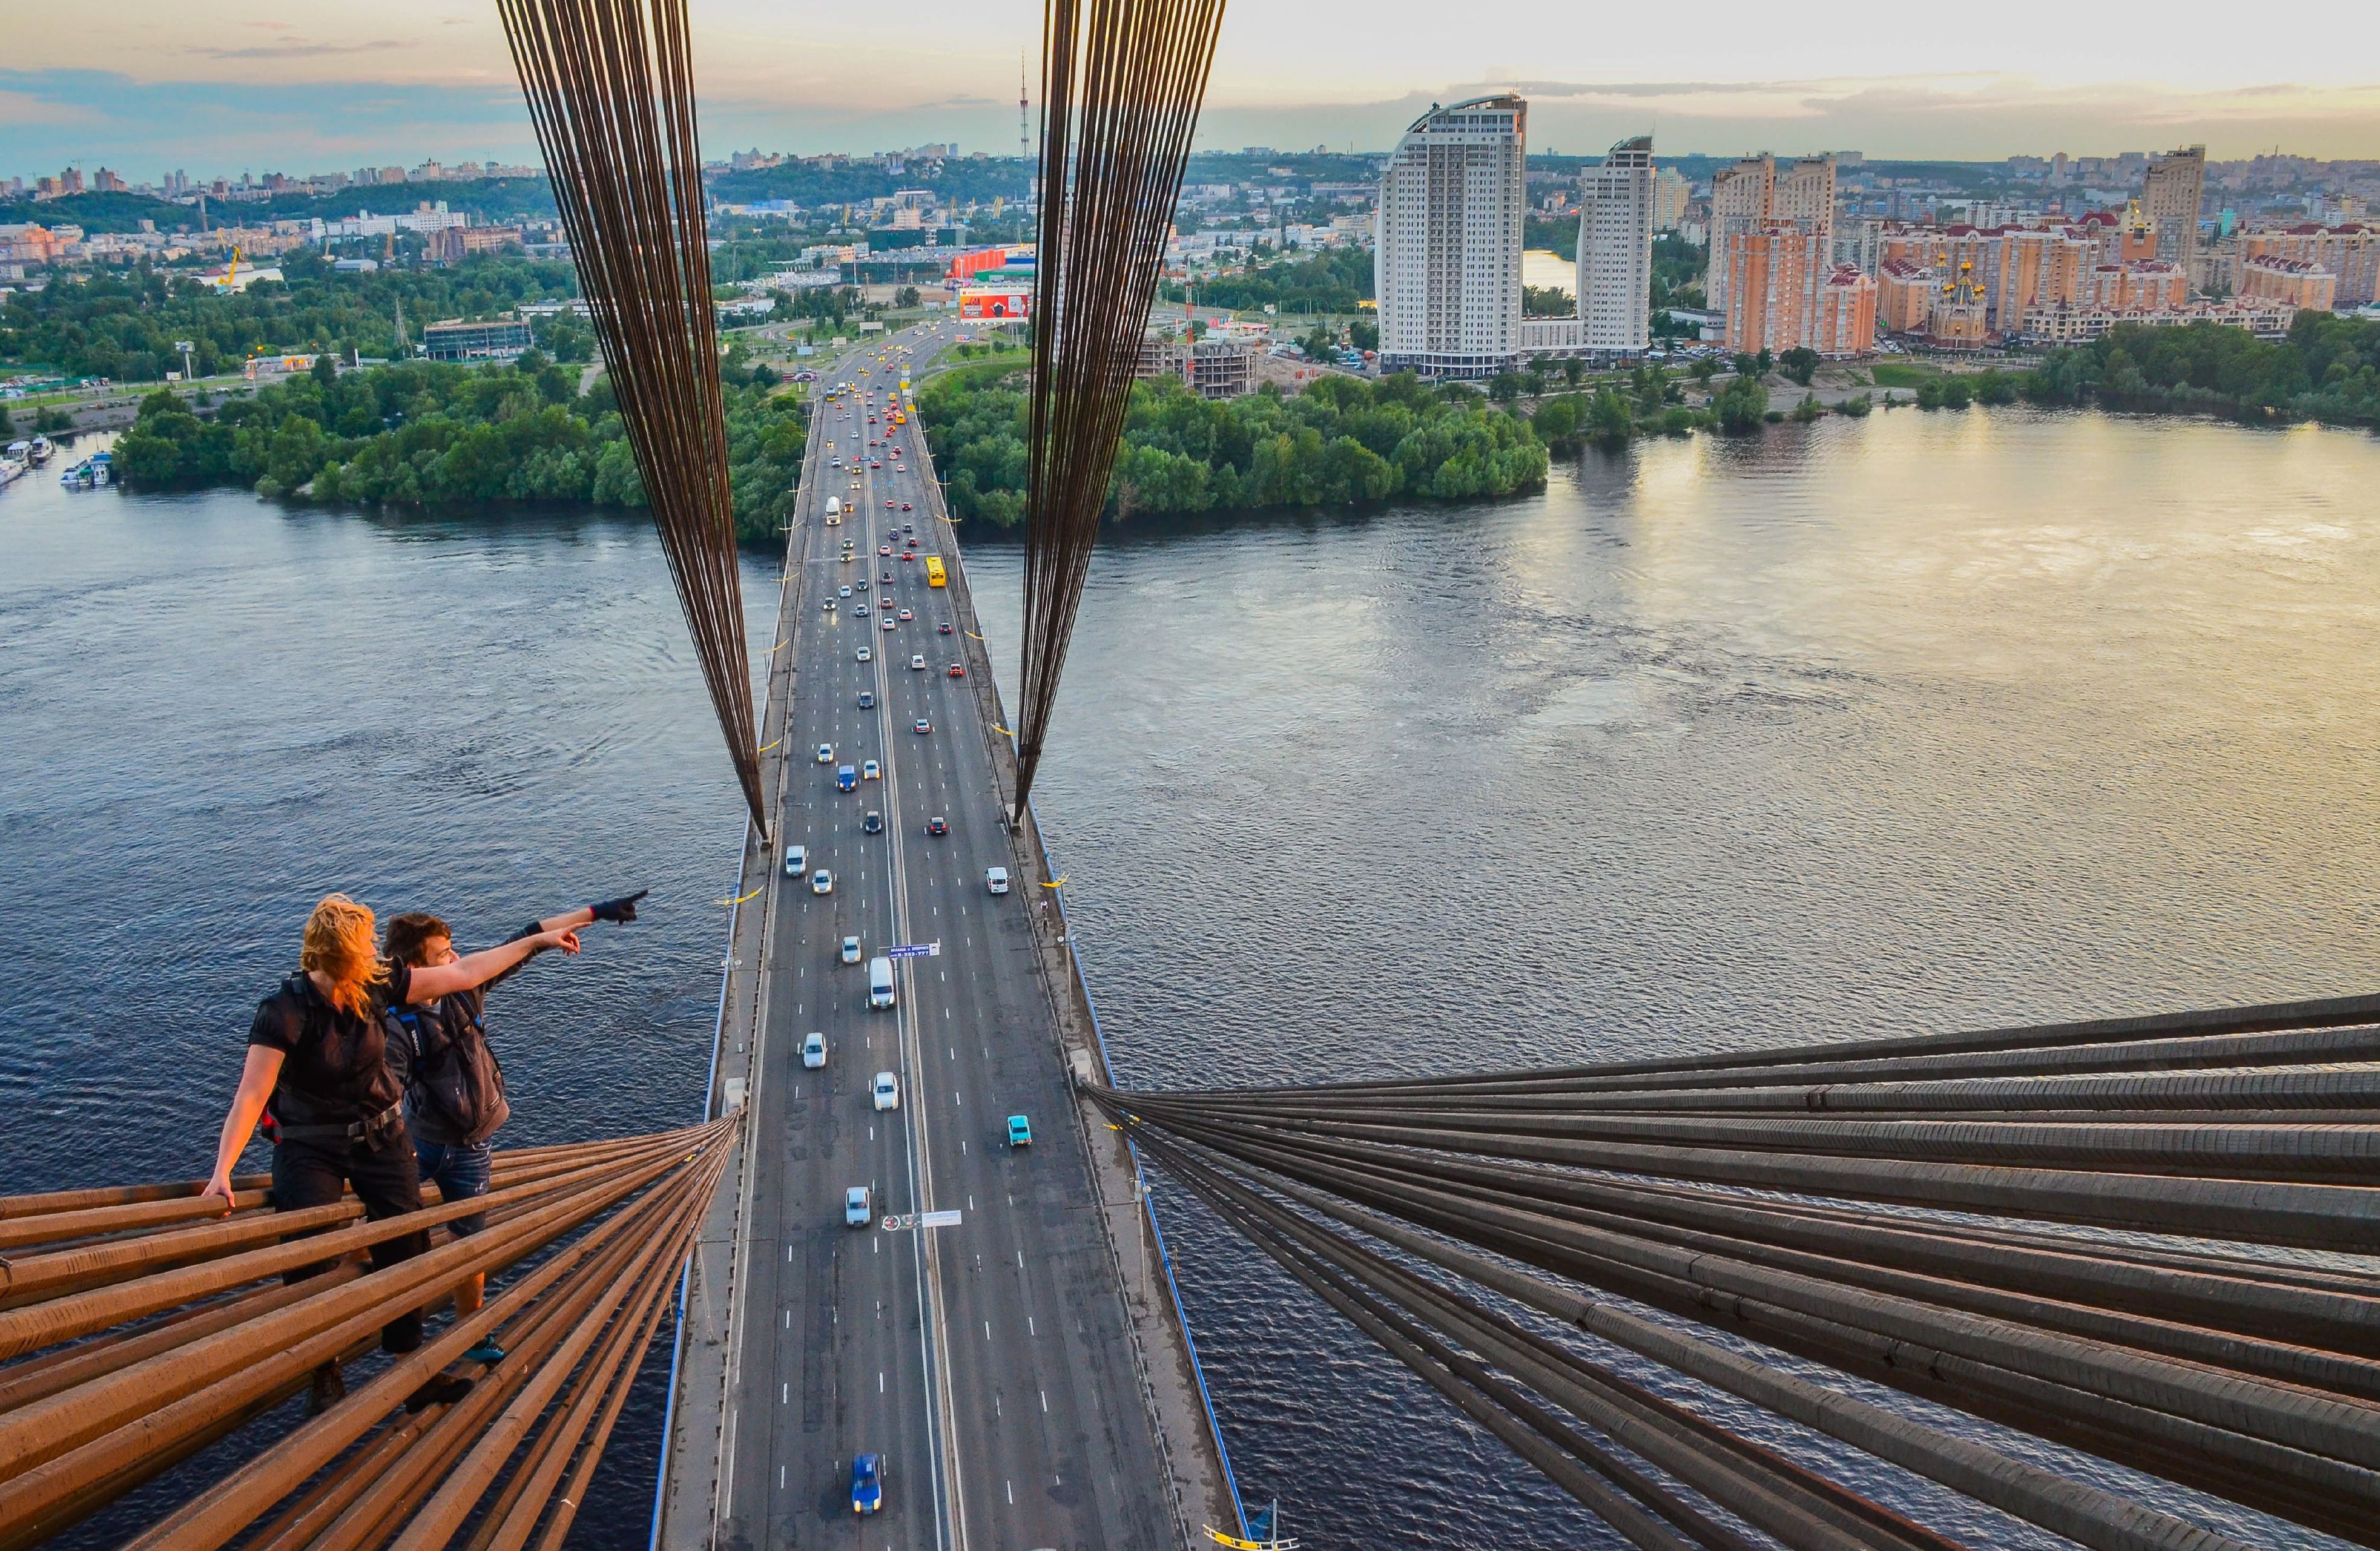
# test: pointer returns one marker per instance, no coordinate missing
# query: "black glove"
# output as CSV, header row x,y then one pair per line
x,y
622,909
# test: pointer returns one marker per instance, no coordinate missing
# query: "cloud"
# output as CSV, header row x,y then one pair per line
x,y
296,49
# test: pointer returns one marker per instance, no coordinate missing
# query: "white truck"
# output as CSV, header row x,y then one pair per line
x,y
833,508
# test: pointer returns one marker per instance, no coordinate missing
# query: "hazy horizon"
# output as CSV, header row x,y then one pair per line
x,y
256,86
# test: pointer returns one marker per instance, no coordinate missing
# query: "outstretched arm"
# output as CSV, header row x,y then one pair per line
x,y
256,1080
430,982
619,910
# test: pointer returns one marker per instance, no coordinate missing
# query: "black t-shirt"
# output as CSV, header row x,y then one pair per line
x,y
403,1035
335,1070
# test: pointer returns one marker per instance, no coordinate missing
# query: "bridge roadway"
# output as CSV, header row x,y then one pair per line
x,y
989,1362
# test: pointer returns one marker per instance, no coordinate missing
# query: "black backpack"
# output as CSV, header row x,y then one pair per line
x,y
456,1085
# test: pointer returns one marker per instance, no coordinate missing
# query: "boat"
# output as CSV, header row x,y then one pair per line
x,y
38,451
102,467
90,474
13,469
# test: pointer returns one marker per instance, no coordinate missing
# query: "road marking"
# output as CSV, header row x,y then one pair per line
x,y
784,1392
879,1381
1012,1492
986,1330
1045,1400
1020,1265
1028,1327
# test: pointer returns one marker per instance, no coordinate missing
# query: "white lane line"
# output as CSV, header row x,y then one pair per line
x,y
1045,1401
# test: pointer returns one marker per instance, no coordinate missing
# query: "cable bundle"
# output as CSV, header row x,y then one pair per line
x,y
1120,85
138,1327
2095,1234
611,91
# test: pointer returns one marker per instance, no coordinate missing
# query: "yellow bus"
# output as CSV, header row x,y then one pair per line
x,y
935,576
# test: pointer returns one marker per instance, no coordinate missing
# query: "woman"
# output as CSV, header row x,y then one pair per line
x,y
317,1061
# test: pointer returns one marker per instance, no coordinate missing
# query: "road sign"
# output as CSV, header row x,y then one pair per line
x,y
938,1220
916,950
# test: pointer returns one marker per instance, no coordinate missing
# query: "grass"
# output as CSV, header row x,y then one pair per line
x,y
1901,374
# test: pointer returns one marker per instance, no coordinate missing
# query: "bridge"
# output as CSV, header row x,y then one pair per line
x,y
1023,1371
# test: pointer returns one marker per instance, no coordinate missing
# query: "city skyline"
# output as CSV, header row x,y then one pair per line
x,y
251,83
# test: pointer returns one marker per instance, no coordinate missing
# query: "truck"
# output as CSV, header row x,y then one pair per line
x,y
833,508
935,575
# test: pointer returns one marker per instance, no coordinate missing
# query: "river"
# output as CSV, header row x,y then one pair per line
x,y
1860,727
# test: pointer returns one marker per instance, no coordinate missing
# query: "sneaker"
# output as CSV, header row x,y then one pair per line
x,y
327,1389
487,1354
442,1390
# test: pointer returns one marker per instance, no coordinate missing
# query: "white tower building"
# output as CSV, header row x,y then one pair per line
x,y
1615,250
1445,254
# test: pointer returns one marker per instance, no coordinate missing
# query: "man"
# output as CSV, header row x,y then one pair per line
x,y
453,1088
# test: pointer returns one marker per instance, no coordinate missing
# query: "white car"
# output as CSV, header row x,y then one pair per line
x,y
917,662
858,1211
871,770
826,754
797,860
851,949
863,654
846,592
822,882
887,1091
814,1051
996,880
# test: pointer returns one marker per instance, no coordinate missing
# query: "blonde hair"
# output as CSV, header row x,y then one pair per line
x,y
339,945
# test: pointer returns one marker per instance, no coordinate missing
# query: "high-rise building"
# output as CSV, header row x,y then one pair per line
x,y
1742,198
1773,275
1844,319
1672,193
2176,184
1757,192
1615,250
2349,252
1446,255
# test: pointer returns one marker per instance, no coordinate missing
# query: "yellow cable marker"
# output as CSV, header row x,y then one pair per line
x,y
740,899
765,748
1059,884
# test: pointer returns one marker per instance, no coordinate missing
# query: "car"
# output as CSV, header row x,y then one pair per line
x,y
821,882
888,503
1020,1132
863,654
797,860
958,670
846,777
873,824
871,770
861,584
867,699
907,616
847,560
924,725
891,624
996,880
898,467
858,1211
918,660
842,592
888,576
905,507
908,554
826,754
938,825
851,949
828,607
885,550
908,527
944,627
860,610
886,1091
913,543
814,1051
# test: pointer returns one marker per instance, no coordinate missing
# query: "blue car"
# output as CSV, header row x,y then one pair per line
x,y
867,1484
846,777
1020,1133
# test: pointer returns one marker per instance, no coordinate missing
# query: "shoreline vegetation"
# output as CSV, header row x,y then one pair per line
x,y
423,435
428,434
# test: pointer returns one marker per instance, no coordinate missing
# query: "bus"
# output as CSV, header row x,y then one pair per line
x,y
935,576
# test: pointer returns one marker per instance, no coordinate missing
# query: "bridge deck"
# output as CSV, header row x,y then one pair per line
x,y
1024,1372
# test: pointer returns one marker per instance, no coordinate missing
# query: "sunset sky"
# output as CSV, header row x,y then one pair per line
x,y
144,86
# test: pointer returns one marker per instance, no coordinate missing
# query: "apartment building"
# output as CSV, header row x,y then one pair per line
x,y
1615,250
1447,241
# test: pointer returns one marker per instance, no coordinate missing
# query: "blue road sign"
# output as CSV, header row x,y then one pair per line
x,y
914,950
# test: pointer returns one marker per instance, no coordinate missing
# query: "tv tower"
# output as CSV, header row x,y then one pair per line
x,y
1024,140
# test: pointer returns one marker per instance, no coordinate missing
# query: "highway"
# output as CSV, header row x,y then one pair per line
x,y
987,1361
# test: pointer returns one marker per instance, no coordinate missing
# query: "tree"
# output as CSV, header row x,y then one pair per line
x,y
1765,361
1609,417
327,369
1741,405
1704,370
1746,364
905,297
1573,368
1363,336
1504,387
1801,364
1320,344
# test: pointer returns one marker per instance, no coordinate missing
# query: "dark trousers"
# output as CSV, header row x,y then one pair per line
x,y
386,1180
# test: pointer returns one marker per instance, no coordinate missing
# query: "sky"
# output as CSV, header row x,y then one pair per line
x,y
147,86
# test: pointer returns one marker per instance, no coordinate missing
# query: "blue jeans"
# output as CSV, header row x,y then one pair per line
x,y
460,1172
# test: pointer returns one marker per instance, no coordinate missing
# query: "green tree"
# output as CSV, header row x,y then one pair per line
x,y
1363,334
905,297
1799,364
1556,420
1741,405
1609,417
1764,363
1505,386
1704,370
